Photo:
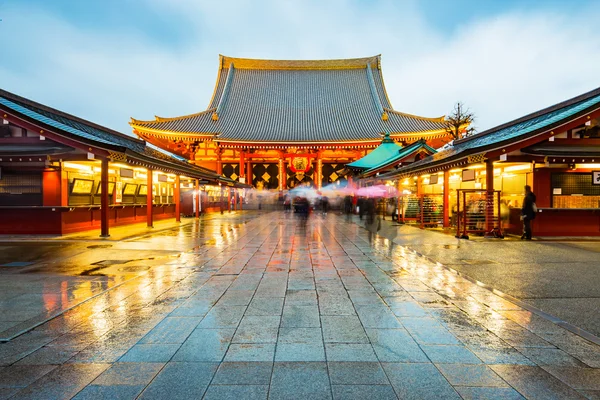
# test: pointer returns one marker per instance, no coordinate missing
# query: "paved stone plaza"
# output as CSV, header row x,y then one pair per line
x,y
258,306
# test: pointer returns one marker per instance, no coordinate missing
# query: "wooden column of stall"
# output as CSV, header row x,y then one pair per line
x,y
489,187
104,198
149,199
319,171
221,197
177,199
229,199
446,199
197,189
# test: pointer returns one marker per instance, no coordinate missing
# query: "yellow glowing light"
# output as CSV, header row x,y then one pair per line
x,y
521,167
590,166
81,167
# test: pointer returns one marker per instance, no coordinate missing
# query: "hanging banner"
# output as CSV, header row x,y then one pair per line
x,y
118,192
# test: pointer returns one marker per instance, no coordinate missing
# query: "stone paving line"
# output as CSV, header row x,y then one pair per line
x,y
278,308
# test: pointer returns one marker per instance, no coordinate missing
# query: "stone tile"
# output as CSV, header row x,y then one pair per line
x,y
357,373
235,298
171,330
576,377
379,316
336,306
6,393
488,393
22,375
450,354
361,392
63,382
343,329
428,331
117,392
129,374
300,352
238,392
205,345
150,353
223,317
470,375
97,355
502,355
591,394
48,355
419,381
301,297
300,335
535,383
350,352
257,329
300,316
243,373
289,381
395,345
550,357
181,380
265,306
407,309
251,352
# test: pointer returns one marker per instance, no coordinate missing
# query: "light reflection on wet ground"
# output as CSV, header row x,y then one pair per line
x,y
261,306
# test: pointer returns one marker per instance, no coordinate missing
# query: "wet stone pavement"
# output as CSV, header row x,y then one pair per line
x,y
280,308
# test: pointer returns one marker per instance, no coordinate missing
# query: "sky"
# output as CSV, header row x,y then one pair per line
x,y
109,60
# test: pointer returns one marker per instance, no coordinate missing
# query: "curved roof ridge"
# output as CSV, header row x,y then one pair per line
x,y
435,119
256,63
164,119
226,88
374,94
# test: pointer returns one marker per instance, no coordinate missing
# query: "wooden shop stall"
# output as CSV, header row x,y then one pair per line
x,y
61,174
480,179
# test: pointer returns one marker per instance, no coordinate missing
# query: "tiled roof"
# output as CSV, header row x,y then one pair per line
x,y
403,153
300,101
72,126
518,129
387,150
95,135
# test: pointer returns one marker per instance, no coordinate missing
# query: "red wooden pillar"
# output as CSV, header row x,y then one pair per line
x,y
241,199
197,189
446,199
176,194
242,162
489,187
249,173
149,199
219,162
104,198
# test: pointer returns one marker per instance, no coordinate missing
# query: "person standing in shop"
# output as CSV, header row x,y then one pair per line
x,y
528,212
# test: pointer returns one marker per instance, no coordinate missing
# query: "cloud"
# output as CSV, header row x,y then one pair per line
x,y
502,66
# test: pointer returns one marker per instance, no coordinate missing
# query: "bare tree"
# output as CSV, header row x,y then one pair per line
x,y
458,123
